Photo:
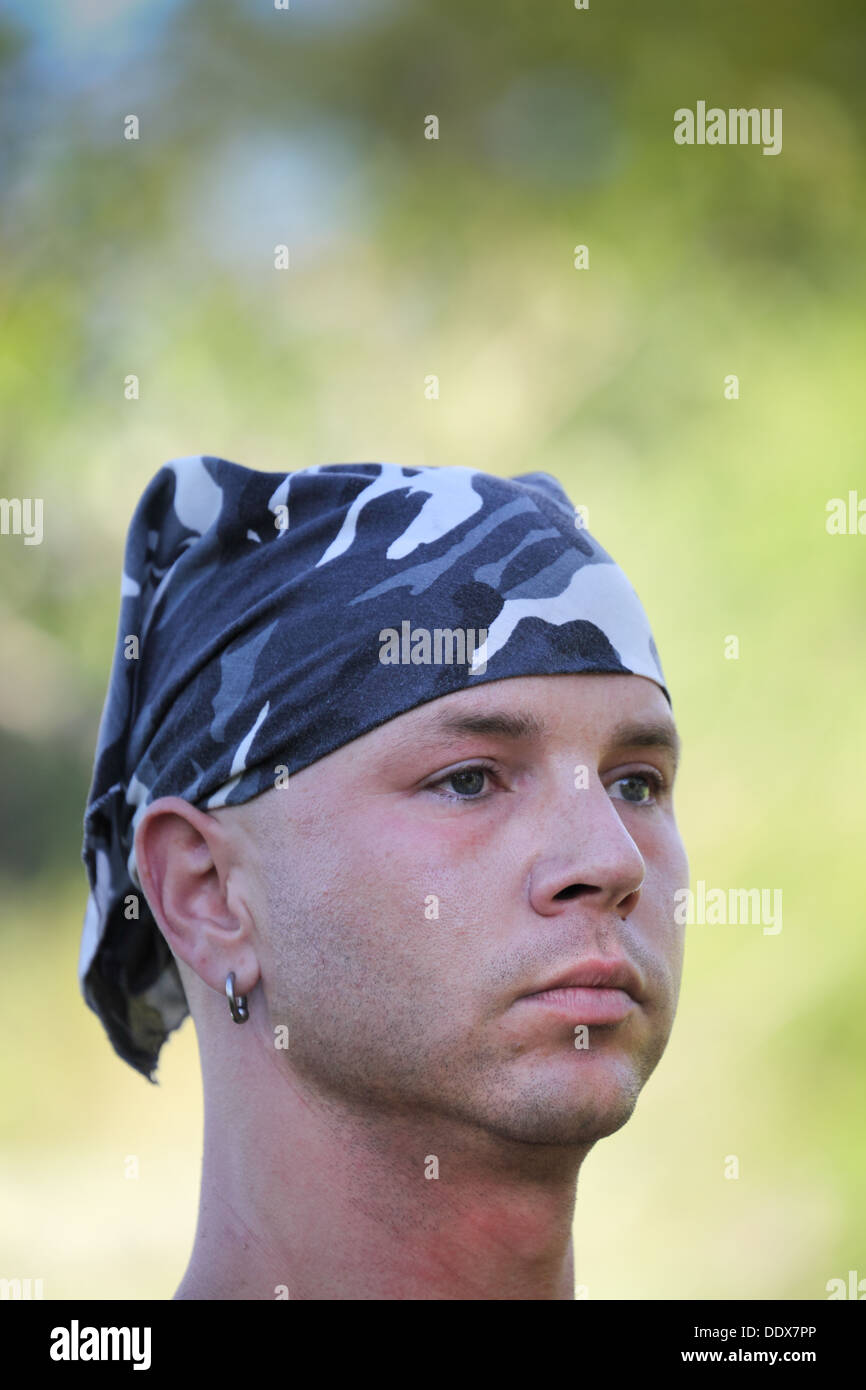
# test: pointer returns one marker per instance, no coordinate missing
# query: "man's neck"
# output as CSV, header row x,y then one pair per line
x,y
309,1200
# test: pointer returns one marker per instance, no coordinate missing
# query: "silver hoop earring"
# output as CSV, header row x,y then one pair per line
x,y
237,1002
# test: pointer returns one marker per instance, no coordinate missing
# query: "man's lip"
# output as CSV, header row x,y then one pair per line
x,y
596,973
584,1005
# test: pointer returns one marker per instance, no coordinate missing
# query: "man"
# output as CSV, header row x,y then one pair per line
x,y
436,893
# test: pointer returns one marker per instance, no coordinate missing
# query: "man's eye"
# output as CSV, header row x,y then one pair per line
x,y
467,783
640,788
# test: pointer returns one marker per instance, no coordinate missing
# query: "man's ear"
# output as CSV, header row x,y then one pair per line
x,y
191,878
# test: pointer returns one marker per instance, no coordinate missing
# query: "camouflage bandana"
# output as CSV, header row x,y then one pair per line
x,y
268,619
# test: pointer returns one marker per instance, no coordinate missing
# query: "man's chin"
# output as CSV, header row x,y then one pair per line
x,y
574,1113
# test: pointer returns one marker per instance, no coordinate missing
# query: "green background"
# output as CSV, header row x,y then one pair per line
x,y
411,257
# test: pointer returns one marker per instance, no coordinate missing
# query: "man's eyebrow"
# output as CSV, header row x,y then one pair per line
x,y
495,723
520,724
642,735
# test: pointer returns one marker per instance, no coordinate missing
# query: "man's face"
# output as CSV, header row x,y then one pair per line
x,y
416,885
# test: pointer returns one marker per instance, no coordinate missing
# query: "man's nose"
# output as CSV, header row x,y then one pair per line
x,y
585,852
